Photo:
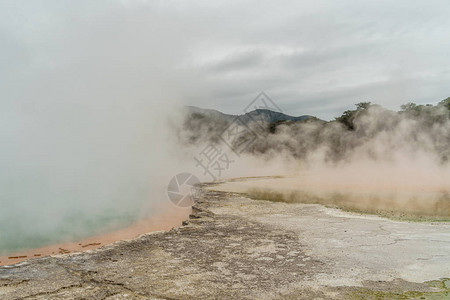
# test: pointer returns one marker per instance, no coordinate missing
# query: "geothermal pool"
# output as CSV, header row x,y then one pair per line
x,y
18,246
388,198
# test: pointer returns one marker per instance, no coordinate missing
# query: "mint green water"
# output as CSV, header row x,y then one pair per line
x,y
18,234
35,215
61,203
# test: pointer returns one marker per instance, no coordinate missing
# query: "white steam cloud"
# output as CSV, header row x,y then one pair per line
x,y
370,158
85,96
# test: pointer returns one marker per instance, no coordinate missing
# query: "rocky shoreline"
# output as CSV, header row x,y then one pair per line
x,y
226,250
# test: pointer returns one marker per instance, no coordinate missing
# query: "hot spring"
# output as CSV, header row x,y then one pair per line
x,y
386,198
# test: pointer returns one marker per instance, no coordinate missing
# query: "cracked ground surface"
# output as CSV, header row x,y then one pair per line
x,y
236,248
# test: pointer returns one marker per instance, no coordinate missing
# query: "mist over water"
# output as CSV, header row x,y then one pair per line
x,y
369,158
91,129
83,140
73,174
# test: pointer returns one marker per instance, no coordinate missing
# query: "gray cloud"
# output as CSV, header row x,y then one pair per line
x,y
294,51
332,48
237,62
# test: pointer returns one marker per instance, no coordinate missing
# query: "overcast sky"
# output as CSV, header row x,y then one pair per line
x,y
311,57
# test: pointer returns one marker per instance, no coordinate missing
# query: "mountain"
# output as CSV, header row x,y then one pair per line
x,y
208,113
202,125
270,116
258,115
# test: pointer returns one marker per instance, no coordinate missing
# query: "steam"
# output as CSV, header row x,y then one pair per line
x,y
83,130
371,158
90,133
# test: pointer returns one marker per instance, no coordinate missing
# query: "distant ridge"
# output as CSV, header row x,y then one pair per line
x,y
260,115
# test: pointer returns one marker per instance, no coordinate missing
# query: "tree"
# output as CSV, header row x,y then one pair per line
x,y
363,105
347,119
445,103
349,116
408,106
